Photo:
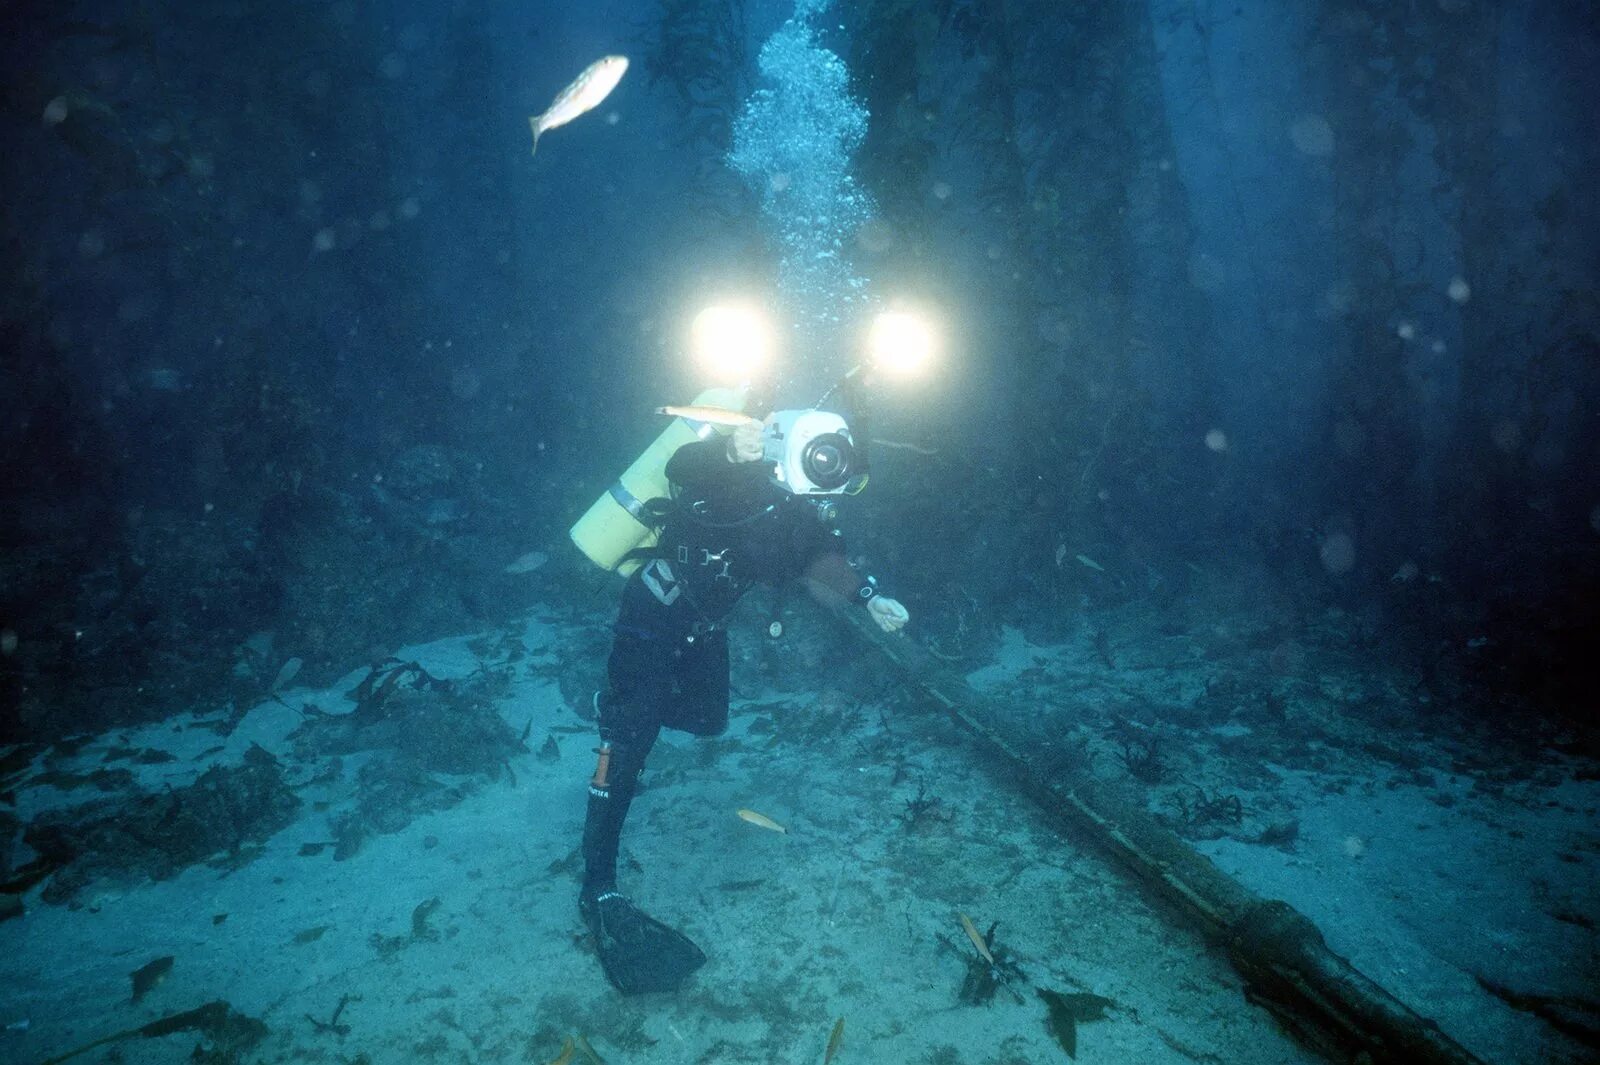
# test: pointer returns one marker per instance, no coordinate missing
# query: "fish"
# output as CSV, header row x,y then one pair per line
x,y
565,1057
584,94
708,415
762,821
976,937
834,1042
1085,560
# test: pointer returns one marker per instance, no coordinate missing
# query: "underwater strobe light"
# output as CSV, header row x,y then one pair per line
x,y
731,342
900,343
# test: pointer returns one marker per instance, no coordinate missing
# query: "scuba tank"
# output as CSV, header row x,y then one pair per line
x,y
620,521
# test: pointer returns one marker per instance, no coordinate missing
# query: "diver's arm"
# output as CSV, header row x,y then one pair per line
x,y
700,464
832,579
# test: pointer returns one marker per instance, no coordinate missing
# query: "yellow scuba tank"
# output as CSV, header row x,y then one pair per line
x,y
616,524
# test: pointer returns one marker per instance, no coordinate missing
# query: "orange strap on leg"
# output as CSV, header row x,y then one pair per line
x,y
602,768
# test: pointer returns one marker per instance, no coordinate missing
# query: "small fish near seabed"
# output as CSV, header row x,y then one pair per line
x,y
762,821
835,1041
586,92
708,415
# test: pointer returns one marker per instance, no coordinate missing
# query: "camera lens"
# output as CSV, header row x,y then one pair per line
x,y
826,460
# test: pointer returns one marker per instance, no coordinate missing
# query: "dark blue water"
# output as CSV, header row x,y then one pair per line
x,y
1250,476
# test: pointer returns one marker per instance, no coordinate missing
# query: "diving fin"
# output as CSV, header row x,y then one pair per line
x,y
639,954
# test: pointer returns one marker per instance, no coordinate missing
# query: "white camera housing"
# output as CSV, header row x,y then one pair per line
x,y
810,451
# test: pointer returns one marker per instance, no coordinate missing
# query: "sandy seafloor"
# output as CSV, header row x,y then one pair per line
x,y
1472,858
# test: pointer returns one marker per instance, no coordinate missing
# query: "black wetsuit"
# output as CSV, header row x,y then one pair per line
x,y
729,528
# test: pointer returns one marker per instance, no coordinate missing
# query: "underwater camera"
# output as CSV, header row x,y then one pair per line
x,y
811,452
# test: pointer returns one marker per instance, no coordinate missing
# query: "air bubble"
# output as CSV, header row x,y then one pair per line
x,y
1337,552
1312,135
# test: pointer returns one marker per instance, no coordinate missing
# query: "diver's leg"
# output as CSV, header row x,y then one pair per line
x,y
626,735
699,703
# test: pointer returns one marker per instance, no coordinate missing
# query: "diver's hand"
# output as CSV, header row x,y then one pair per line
x,y
888,613
744,443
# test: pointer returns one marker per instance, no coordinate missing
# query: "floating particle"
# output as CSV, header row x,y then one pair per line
x,y
8,638
325,240
378,221
91,245
1312,135
778,182
318,83
409,208
1406,330
56,111
1594,517
941,190
1217,440
1349,436
1337,552
393,66
1354,846
1459,290
1506,434
1206,273
465,382
1438,347
876,236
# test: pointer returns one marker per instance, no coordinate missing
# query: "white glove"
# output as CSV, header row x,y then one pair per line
x,y
744,443
888,613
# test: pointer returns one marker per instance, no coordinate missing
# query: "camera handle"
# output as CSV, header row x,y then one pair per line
x,y
853,387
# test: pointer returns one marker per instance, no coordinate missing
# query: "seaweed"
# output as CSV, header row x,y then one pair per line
x,y
985,976
1141,756
924,810
1206,812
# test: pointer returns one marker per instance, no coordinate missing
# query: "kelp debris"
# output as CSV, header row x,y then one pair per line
x,y
1064,1012
231,1033
419,919
420,932
385,677
149,975
159,834
332,1025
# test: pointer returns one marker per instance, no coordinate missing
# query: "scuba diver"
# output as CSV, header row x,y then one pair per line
x,y
730,525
